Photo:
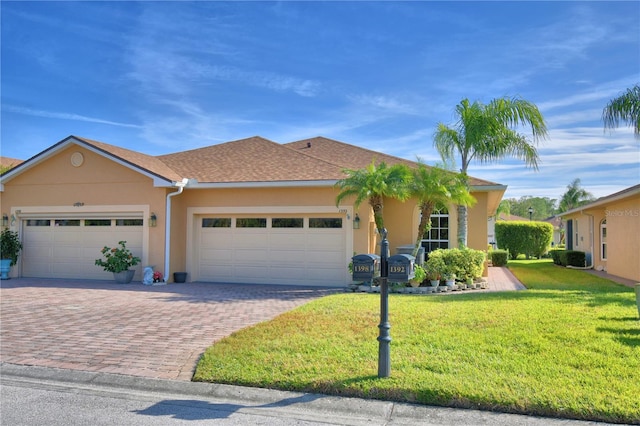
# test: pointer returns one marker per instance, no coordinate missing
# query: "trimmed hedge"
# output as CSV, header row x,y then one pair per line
x,y
569,257
555,255
521,237
499,257
574,258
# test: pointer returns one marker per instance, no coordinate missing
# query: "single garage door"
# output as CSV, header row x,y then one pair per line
x,y
67,248
276,249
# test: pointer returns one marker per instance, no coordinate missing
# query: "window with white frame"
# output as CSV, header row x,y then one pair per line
x,y
603,239
438,236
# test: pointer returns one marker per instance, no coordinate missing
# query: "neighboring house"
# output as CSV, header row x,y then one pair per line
x,y
607,231
558,230
9,162
491,226
251,211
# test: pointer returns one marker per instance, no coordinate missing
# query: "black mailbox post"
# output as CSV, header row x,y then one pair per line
x,y
366,267
401,268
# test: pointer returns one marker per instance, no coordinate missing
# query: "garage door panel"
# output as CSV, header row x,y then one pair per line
x,y
287,275
220,272
287,257
37,235
250,272
247,240
326,275
217,254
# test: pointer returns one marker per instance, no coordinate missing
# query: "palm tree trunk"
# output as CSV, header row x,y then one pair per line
x,y
462,226
423,227
376,205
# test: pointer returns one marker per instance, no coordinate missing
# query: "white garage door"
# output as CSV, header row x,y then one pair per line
x,y
274,249
67,248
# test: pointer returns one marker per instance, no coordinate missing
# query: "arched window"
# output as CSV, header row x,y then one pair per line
x,y
603,239
438,235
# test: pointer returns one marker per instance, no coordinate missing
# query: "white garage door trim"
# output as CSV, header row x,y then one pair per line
x,y
194,215
22,214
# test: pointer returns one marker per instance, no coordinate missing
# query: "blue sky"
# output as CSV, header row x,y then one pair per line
x,y
160,77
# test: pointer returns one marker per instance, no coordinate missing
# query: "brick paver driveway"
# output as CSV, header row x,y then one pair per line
x,y
151,331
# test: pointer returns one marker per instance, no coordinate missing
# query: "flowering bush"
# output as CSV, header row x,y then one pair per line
x,y
117,259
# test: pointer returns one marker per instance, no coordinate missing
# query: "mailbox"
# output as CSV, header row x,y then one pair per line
x,y
400,268
366,267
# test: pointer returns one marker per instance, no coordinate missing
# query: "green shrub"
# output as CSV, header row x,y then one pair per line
x,y
555,256
463,263
521,237
499,257
570,258
575,258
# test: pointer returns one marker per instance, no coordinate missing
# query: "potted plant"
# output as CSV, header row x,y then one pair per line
x,y
434,268
449,277
10,247
419,275
118,260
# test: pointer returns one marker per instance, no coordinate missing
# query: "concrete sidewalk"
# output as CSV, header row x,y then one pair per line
x,y
158,401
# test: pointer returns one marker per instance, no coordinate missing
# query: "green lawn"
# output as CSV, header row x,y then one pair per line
x,y
567,347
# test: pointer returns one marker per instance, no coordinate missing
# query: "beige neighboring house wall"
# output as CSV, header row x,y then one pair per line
x,y
607,230
201,200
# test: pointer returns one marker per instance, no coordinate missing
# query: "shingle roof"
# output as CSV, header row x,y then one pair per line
x,y
147,162
9,162
353,157
253,159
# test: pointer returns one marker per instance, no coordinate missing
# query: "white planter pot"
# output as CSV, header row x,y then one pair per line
x,y
124,277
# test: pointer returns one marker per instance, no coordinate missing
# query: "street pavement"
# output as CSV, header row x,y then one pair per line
x,y
53,397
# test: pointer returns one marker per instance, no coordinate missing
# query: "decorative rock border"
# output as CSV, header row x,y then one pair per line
x,y
481,284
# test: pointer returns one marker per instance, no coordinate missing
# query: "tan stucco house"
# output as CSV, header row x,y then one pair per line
x,y
608,231
247,211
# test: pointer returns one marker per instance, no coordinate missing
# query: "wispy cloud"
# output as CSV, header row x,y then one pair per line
x,y
64,116
383,103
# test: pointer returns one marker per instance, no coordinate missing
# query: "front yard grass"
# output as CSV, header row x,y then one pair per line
x,y
567,347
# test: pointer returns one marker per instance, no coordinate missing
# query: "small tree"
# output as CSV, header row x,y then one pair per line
x,y
435,187
374,183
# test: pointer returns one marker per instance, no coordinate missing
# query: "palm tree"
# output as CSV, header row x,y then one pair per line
x,y
374,183
485,133
503,207
626,108
574,197
434,188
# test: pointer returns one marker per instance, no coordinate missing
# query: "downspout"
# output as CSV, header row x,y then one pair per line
x,y
591,224
167,226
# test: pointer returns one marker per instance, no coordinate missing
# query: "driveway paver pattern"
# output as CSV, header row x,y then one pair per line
x,y
133,329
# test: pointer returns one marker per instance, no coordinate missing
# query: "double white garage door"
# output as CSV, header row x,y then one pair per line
x,y
67,248
271,249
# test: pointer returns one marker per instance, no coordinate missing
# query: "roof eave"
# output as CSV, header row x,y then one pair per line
x,y
625,193
266,184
